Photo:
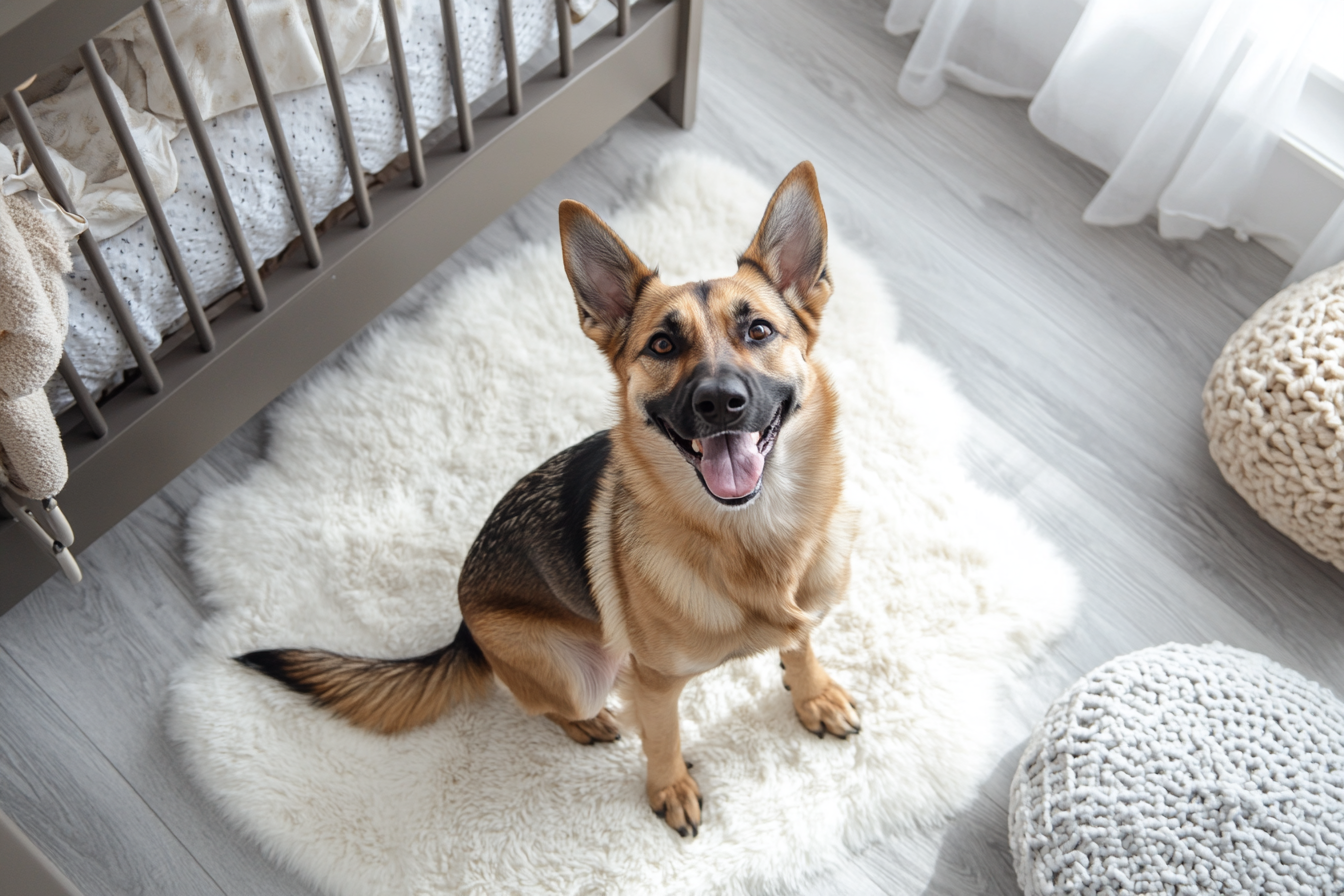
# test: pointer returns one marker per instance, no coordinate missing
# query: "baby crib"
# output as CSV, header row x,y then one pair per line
x,y
234,353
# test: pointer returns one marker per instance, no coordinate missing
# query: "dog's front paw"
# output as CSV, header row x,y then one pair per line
x,y
831,710
679,805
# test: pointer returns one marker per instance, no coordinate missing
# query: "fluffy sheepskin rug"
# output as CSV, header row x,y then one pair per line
x,y
380,469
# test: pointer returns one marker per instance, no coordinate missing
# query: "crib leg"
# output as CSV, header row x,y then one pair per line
x,y
677,97
56,521
64,558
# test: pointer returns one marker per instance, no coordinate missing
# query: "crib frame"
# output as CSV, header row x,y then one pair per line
x,y
244,355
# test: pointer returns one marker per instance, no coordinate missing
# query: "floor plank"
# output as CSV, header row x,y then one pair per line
x,y
91,823
1082,351
105,653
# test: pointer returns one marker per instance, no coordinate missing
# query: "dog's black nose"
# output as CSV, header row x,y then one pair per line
x,y
720,401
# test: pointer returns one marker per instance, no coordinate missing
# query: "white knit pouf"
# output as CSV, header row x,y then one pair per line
x,y
1272,412
1183,770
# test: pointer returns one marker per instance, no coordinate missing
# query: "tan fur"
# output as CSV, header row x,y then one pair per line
x,y
533,656
384,695
684,584
679,582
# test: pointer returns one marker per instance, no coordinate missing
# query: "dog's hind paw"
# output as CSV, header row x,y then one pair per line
x,y
679,805
601,728
830,711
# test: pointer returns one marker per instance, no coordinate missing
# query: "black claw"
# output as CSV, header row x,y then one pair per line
x,y
856,730
700,800
695,829
690,765
787,688
617,737
682,831
661,813
781,664
820,732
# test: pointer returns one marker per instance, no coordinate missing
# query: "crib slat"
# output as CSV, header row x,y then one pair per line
x,y
397,55
465,133
332,69
18,110
242,27
205,151
622,18
511,56
83,400
135,164
565,26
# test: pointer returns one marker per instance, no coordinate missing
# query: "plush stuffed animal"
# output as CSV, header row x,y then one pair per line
x,y
34,253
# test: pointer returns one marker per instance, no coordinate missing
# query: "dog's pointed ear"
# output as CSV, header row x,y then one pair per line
x,y
605,274
790,245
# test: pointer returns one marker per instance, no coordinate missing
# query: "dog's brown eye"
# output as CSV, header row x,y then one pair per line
x,y
759,331
661,345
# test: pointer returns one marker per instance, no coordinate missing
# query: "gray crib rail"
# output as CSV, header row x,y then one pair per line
x,y
205,151
256,72
453,46
397,56
135,164
336,90
565,27
83,399
510,56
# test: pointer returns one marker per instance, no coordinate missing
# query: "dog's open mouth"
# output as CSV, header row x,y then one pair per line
x,y
730,464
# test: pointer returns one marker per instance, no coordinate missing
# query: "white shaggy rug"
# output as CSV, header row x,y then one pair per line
x,y
381,468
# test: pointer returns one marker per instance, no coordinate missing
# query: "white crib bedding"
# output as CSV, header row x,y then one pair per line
x,y
95,344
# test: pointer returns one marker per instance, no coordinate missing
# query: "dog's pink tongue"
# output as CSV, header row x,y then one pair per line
x,y
731,464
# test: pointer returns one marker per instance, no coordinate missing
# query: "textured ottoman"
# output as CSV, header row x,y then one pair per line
x,y
1272,412
1184,770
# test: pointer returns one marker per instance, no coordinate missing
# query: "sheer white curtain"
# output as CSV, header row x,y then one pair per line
x,y
999,47
1180,101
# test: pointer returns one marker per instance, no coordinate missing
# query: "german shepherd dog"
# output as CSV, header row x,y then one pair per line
x,y
707,524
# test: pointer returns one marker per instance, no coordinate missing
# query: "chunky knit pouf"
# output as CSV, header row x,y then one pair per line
x,y
1184,770
1272,411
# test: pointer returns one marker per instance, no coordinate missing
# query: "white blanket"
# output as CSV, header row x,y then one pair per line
x,y
74,127
203,33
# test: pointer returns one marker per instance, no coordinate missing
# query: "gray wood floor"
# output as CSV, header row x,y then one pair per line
x,y
1083,351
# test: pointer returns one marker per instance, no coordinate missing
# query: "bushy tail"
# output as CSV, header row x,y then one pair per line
x,y
382,695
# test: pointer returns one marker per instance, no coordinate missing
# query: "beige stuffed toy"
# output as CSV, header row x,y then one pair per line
x,y
34,253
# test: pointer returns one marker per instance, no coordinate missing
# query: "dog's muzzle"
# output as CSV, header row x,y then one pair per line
x,y
725,425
